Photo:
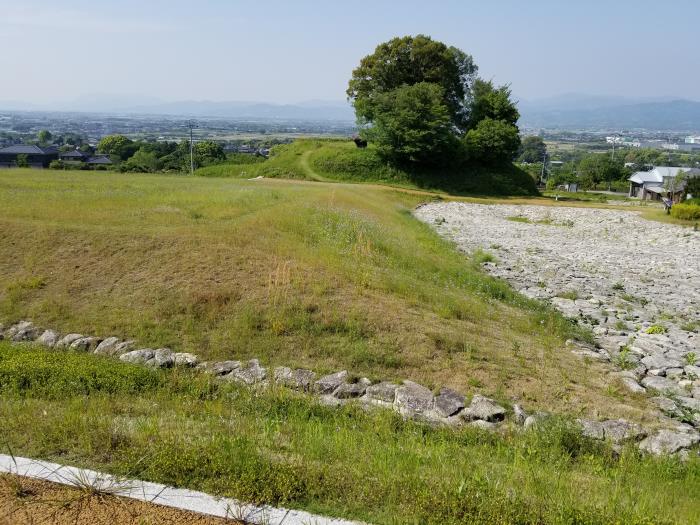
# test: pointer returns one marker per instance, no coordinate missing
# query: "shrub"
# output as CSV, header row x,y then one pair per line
x,y
687,212
57,165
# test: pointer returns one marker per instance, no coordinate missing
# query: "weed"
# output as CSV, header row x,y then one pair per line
x,y
656,329
618,287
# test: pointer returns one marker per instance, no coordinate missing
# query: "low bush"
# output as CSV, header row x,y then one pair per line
x,y
686,212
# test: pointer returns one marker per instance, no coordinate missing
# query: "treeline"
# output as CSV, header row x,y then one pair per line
x,y
139,156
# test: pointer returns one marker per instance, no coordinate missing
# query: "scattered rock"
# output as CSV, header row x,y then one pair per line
x,y
592,429
328,384
448,402
23,331
669,441
107,346
352,390
484,408
413,400
632,385
662,384
186,359
221,368
483,425
249,374
49,338
535,419
67,340
84,344
384,392
619,430
138,357
162,358
122,348
519,415
299,379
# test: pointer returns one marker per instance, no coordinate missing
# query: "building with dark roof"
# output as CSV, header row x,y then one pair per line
x,y
35,156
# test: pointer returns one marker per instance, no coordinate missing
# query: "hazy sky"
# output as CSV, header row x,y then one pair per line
x,y
295,50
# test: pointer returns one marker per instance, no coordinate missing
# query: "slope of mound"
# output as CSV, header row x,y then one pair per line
x,y
342,161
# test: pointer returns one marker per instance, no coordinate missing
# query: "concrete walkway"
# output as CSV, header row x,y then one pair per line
x,y
158,494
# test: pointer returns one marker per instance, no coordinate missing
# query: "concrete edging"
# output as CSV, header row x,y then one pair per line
x,y
183,499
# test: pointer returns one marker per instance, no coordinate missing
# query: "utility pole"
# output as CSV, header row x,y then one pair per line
x,y
191,124
614,141
544,164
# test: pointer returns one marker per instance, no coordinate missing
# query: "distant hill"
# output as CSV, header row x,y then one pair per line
x,y
575,112
310,110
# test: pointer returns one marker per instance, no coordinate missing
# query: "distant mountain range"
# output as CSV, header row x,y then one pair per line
x,y
610,113
570,111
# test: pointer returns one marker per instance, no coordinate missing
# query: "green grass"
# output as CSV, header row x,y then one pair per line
x,y
274,446
323,276
341,161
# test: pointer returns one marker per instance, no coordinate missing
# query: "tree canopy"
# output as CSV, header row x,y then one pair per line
x,y
532,149
420,101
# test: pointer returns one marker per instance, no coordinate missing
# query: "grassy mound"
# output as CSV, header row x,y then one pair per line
x,y
342,161
275,446
323,276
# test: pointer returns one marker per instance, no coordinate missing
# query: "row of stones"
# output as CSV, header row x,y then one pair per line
x,y
409,399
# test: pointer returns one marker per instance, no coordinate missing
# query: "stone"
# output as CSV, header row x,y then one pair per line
x,y
299,379
662,384
696,392
84,344
352,390
660,362
107,346
535,419
448,402
692,371
519,414
328,384
413,400
221,368
48,338
122,348
689,403
632,385
249,374
666,405
483,408
384,392
483,425
23,331
619,430
68,340
674,373
592,429
162,358
138,357
186,359
669,441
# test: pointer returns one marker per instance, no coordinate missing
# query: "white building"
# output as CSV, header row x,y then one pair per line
x,y
659,182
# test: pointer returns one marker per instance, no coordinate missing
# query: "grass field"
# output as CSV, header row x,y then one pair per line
x,y
294,273
278,447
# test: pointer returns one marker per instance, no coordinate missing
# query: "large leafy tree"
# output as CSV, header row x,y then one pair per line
x,y
412,60
118,146
418,100
413,124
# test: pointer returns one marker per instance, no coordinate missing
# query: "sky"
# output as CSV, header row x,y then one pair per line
x,y
298,50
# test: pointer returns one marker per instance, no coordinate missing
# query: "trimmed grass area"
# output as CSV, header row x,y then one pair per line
x,y
324,276
278,447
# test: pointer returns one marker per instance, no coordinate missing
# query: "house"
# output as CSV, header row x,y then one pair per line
x,y
77,156
35,156
659,182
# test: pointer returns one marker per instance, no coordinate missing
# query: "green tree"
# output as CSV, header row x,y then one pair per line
x,y
532,149
44,136
22,160
413,124
208,152
491,102
492,142
142,161
692,186
597,168
117,145
413,60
